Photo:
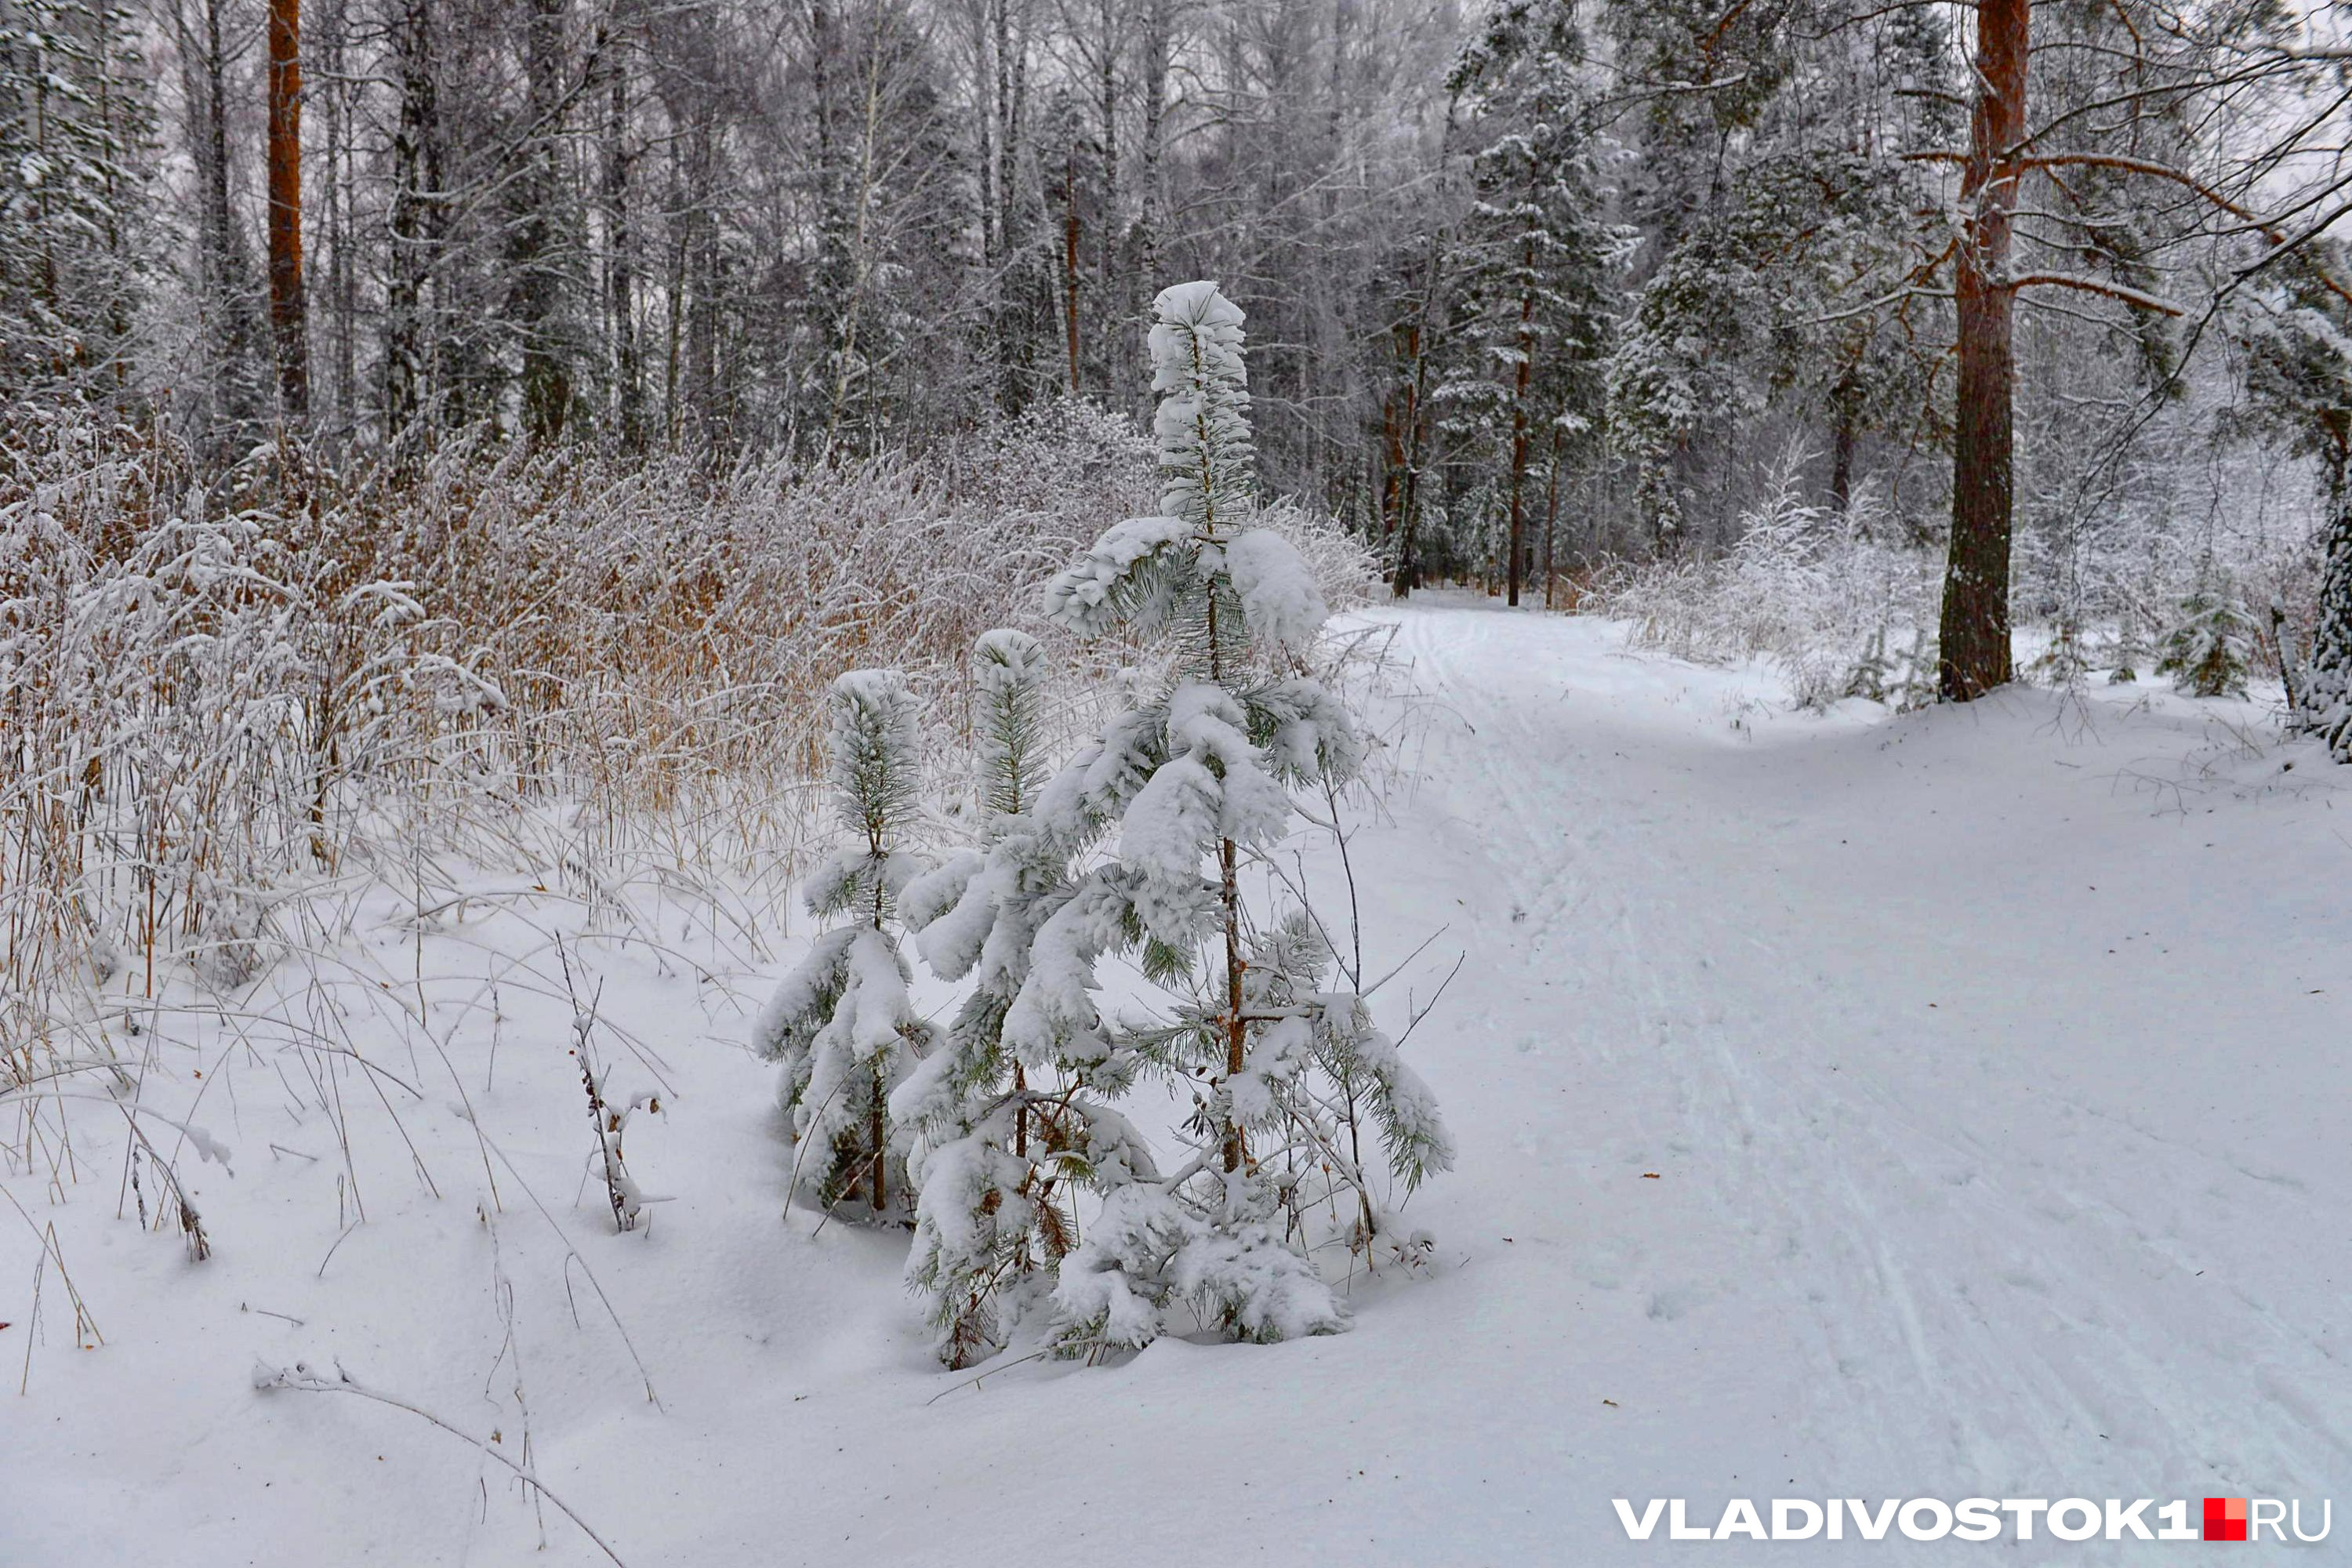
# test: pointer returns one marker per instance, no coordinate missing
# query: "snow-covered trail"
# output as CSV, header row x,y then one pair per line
x,y
1990,1064
1939,1106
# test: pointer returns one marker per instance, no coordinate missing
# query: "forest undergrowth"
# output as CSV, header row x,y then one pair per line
x,y
1843,601
249,712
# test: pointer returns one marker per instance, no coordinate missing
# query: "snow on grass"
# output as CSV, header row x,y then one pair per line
x,y
1937,1105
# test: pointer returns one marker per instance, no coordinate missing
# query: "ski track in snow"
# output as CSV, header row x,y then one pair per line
x,y
1963,1250
1989,1063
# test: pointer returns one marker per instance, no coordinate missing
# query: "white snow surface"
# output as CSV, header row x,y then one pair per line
x,y
1941,1105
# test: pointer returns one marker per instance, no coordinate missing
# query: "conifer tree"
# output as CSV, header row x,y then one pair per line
x,y
1000,1137
1539,260
2206,651
2323,696
2298,370
843,1023
76,132
1182,789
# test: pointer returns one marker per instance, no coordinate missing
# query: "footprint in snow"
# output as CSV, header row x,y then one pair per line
x,y
1667,1305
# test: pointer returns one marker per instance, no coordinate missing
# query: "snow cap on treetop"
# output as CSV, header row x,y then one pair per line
x,y
1199,312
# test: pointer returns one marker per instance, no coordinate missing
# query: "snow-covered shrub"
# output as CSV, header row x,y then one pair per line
x,y
1826,594
2206,649
842,1022
226,689
1177,792
1847,603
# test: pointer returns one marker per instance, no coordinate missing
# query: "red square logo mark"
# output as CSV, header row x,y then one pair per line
x,y
2225,1518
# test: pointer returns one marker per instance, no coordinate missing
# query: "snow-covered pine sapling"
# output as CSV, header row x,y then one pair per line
x,y
843,1023
1000,1137
1183,788
2206,651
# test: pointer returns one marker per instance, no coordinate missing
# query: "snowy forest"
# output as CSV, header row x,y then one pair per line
x,y
916,780
1535,291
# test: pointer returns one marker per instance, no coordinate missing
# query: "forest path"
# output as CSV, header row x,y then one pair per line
x,y
1980,1056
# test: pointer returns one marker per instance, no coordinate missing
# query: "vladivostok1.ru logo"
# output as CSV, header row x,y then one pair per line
x,y
1979,1519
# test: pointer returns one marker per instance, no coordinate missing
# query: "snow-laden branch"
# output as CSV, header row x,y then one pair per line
x,y
2134,297
2020,163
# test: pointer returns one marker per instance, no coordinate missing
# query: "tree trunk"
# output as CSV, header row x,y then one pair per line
x,y
1110,357
1519,433
1842,415
1551,517
1973,641
536,255
1408,563
224,302
1012,106
1070,255
1151,217
620,286
286,323
341,275
414,189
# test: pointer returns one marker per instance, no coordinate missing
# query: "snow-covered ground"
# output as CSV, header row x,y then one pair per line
x,y
1940,1105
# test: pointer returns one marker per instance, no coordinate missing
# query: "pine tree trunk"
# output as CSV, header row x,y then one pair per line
x,y
285,136
1973,641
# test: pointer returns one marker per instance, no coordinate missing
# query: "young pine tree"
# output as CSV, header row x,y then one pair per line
x,y
1001,1137
842,1022
1181,790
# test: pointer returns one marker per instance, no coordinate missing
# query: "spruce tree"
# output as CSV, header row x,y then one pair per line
x,y
843,1023
2206,650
